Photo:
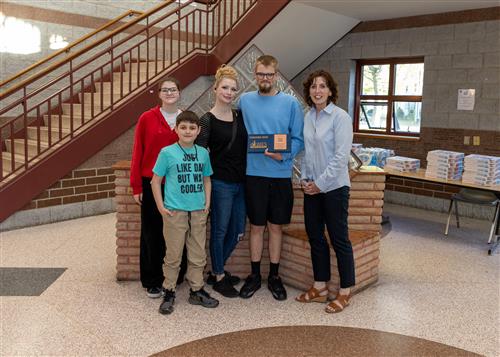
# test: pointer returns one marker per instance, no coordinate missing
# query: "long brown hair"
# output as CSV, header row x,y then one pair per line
x,y
330,82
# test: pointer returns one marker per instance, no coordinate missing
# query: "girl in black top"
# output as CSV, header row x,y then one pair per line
x,y
223,133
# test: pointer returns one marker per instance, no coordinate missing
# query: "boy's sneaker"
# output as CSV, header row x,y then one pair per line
x,y
232,278
252,284
201,297
155,292
276,287
225,288
167,306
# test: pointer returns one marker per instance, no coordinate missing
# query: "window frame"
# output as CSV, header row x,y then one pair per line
x,y
391,98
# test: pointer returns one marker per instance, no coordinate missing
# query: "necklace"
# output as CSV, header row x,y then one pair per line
x,y
195,157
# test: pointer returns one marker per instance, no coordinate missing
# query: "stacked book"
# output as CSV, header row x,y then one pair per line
x,y
447,165
374,156
402,164
481,170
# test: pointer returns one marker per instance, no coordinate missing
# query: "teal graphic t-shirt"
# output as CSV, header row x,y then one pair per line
x,y
184,170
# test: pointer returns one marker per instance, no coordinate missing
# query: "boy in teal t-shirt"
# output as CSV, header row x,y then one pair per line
x,y
186,168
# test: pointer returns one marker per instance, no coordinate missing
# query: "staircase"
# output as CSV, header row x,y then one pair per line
x,y
62,115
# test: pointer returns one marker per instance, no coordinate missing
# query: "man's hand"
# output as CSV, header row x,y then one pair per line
x,y
310,188
138,199
274,155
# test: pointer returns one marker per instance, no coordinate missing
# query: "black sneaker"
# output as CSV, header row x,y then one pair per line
x,y
276,287
232,278
154,293
252,284
225,288
201,297
167,306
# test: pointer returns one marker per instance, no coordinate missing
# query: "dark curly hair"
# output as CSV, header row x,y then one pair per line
x,y
330,82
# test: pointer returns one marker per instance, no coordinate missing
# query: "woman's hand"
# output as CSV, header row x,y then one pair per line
x,y
206,209
138,199
310,188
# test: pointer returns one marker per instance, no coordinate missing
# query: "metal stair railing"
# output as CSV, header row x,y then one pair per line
x,y
53,106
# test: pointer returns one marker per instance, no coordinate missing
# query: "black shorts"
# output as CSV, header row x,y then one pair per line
x,y
269,200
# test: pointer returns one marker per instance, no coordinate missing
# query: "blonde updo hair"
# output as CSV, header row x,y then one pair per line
x,y
225,71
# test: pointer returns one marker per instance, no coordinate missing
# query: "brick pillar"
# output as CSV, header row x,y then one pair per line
x,y
128,225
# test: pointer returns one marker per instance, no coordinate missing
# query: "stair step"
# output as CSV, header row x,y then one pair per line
x,y
32,147
127,77
65,121
87,98
147,66
7,159
77,109
44,133
106,88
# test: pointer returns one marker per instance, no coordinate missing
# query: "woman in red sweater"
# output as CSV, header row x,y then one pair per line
x,y
154,130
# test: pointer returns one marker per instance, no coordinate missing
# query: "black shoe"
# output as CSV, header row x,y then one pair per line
x,y
225,288
201,297
252,284
154,293
276,287
167,306
232,278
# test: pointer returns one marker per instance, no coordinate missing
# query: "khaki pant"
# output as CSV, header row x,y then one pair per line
x,y
188,228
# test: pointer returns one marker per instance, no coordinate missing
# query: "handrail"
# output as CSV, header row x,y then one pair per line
x,y
95,56
96,79
83,50
70,46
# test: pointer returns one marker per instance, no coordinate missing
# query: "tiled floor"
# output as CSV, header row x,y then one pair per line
x,y
441,289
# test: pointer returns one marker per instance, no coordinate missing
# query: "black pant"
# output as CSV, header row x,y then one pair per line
x,y
329,208
152,241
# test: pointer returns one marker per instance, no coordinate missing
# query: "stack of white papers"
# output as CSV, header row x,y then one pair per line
x,y
481,170
402,164
447,165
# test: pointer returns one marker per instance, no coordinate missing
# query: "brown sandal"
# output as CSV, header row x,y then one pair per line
x,y
338,304
313,295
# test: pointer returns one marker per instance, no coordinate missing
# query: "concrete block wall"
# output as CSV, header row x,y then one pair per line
x,y
462,55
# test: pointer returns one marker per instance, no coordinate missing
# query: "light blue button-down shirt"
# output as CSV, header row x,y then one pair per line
x,y
328,142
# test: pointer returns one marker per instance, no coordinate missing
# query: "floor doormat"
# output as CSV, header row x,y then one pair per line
x,y
27,281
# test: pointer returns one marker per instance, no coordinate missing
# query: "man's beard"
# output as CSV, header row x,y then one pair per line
x,y
265,88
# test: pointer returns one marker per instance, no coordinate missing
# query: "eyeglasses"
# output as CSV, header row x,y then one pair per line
x,y
168,90
261,75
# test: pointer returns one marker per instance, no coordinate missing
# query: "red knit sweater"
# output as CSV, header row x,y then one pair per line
x,y
152,133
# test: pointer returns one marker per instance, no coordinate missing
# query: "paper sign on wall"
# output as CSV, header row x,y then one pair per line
x,y
466,98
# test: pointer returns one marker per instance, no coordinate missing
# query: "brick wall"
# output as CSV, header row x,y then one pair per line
x,y
365,216
78,186
421,188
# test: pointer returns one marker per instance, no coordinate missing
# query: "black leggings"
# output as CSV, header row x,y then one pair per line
x,y
152,241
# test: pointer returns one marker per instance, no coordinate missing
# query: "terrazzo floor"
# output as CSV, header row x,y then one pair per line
x,y
441,289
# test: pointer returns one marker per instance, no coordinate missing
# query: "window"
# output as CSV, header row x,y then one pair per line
x,y
389,96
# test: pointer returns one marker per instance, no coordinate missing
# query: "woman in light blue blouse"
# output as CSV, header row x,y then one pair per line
x,y
326,184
